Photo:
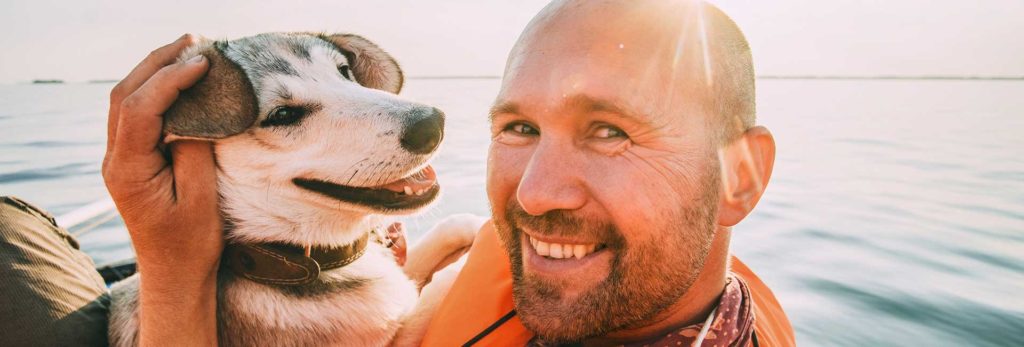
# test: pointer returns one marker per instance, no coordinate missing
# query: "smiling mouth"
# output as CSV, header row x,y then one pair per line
x,y
412,192
566,251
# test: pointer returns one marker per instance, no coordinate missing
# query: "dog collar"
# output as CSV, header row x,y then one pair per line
x,y
286,264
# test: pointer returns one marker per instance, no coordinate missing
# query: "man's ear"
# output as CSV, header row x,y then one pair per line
x,y
371,65
747,166
221,104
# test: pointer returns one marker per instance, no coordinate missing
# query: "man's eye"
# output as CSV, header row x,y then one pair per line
x,y
522,129
609,132
284,115
345,71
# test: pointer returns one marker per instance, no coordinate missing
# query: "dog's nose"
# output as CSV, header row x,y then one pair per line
x,y
424,130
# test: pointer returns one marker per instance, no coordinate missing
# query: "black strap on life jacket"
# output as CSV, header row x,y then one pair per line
x,y
494,326
490,329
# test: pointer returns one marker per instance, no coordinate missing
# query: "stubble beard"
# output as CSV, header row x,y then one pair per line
x,y
644,279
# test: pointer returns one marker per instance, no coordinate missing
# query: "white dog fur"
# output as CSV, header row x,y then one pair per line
x,y
351,136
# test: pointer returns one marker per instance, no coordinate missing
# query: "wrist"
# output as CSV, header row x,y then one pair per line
x,y
176,280
177,309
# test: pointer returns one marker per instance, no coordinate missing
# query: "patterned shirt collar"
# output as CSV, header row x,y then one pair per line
x,y
733,325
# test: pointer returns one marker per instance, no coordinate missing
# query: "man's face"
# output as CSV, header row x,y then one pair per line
x,y
603,179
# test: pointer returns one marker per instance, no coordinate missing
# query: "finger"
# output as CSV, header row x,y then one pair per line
x,y
395,232
396,241
396,228
400,251
155,61
141,120
195,174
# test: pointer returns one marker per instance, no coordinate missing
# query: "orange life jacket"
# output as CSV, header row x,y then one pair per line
x,y
478,309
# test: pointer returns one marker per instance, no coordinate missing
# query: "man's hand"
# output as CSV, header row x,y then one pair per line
x,y
168,203
396,242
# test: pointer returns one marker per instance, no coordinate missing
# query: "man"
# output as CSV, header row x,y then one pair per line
x,y
624,151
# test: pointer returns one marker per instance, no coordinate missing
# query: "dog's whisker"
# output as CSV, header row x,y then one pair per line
x,y
349,181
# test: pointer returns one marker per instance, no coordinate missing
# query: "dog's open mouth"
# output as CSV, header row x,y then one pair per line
x,y
411,192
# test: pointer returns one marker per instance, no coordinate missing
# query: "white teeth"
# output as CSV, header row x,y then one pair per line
x,y
408,190
542,248
562,251
556,251
419,192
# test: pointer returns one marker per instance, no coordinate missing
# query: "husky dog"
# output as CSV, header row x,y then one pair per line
x,y
314,152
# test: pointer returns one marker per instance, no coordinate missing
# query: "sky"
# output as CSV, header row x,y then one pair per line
x,y
104,39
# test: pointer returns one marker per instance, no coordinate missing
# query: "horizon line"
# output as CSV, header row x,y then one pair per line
x,y
793,77
767,77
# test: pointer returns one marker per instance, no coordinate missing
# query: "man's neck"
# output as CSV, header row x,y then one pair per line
x,y
693,307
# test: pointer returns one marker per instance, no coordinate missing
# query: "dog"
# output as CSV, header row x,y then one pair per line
x,y
315,152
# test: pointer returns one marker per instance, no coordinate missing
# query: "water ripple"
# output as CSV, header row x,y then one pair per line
x,y
47,173
52,144
975,324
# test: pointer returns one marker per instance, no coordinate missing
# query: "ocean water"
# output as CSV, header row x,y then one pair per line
x,y
894,217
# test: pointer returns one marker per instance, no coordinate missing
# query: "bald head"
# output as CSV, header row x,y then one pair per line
x,y
679,54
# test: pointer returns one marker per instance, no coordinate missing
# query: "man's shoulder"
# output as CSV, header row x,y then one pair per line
x,y
770,323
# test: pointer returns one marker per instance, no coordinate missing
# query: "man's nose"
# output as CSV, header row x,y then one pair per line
x,y
552,181
424,130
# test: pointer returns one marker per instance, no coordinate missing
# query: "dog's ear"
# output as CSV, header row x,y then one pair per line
x,y
221,104
372,66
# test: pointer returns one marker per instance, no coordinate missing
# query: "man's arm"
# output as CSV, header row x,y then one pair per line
x,y
169,204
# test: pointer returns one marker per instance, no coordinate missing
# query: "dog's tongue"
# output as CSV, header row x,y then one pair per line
x,y
418,181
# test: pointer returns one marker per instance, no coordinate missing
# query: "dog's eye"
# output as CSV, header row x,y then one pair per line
x,y
345,71
284,115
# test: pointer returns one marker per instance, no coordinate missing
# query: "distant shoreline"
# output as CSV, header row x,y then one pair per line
x,y
793,77
761,77
911,78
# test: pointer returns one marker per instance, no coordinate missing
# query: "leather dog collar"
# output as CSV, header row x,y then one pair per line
x,y
289,265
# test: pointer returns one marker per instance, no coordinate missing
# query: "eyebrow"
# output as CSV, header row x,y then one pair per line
x,y
504,107
583,102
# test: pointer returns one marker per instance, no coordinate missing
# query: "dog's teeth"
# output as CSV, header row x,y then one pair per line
x,y
419,192
408,190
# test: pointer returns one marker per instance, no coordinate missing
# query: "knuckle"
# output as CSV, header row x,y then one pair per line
x,y
110,177
118,92
154,54
109,170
